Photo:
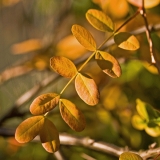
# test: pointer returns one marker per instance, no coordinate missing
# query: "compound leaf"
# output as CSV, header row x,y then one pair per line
x,y
126,41
63,66
87,89
108,64
99,20
72,115
49,137
129,156
44,103
29,129
84,37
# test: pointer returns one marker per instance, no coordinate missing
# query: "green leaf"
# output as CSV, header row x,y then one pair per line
x,y
44,103
126,41
72,115
129,156
49,137
108,64
84,37
153,131
87,89
63,66
29,129
99,20
138,122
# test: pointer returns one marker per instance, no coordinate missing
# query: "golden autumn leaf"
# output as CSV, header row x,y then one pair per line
x,y
108,64
126,41
72,115
129,156
63,66
44,103
49,137
100,20
87,89
84,37
29,129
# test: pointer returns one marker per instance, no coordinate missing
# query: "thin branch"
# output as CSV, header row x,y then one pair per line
x,y
149,38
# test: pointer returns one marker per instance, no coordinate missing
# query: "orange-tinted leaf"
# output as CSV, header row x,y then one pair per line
x,y
126,41
44,103
130,156
72,115
84,37
108,64
99,20
49,137
29,129
87,89
63,66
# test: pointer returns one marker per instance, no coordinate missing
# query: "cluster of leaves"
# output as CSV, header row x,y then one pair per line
x,y
147,119
85,86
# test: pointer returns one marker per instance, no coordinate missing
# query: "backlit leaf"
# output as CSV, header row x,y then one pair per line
x,y
84,37
63,66
29,129
87,89
49,137
99,20
153,131
147,3
108,64
44,103
129,156
126,41
72,115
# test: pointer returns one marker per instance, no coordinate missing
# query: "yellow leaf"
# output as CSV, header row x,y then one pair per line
x,y
126,41
29,129
72,115
87,89
147,3
153,131
108,64
99,20
63,66
49,137
44,103
27,46
84,37
129,156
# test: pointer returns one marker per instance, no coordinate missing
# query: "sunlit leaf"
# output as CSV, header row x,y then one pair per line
x,y
151,68
63,66
49,137
72,115
130,156
138,122
126,41
99,20
153,131
108,64
87,89
29,129
84,37
44,103
147,3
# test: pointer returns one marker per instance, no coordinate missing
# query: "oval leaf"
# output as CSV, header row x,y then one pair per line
x,y
87,89
49,137
63,66
44,103
99,20
126,41
84,37
29,129
108,64
153,131
129,156
72,115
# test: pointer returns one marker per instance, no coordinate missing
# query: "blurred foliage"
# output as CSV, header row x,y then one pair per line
x,y
32,31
